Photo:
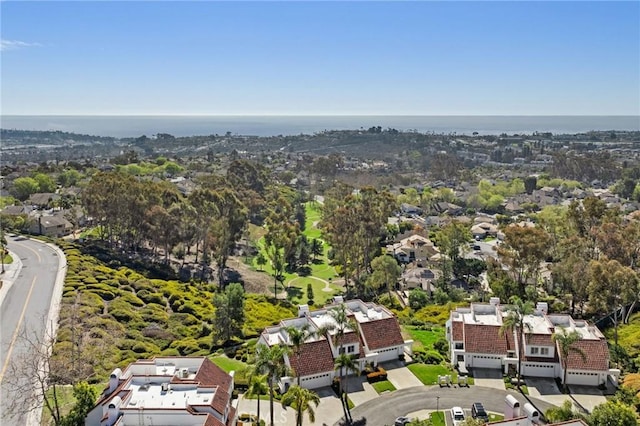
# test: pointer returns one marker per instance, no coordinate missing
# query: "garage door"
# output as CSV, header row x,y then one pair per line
x,y
486,361
537,370
582,378
316,381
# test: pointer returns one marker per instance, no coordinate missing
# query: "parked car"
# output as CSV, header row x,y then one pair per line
x,y
402,421
478,412
457,415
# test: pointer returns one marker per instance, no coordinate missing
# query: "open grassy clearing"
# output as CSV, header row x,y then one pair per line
x,y
424,339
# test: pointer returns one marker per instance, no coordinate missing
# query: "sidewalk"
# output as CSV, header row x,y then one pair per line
x,y
11,272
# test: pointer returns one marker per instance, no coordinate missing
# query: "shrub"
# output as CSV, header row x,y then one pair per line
x,y
376,376
186,346
150,297
131,299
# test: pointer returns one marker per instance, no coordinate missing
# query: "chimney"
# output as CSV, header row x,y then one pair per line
x,y
113,411
303,310
542,307
495,301
114,380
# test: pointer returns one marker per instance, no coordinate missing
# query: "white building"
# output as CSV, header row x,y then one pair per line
x,y
476,341
166,391
377,338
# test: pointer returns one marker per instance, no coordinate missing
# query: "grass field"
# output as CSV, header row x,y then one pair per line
x,y
424,339
229,364
383,386
428,374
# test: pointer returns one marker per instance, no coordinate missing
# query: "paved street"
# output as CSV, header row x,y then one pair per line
x,y
384,409
25,308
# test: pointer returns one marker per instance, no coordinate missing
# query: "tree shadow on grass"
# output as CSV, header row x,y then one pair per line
x,y
294,293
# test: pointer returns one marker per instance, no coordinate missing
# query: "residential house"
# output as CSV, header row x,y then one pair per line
x,y
50,225
476,341
376,338
166,391
43,200
414,248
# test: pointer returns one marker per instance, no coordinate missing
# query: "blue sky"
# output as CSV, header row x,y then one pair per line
x,y
333,58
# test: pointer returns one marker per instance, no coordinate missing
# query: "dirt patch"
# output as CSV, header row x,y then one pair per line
x,y
254,281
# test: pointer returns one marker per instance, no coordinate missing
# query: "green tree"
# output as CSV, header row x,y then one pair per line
x,y
301,400
316,248
258,386
386,273
523,250
418,299
85,397
23,187
269,360
565,341
296,338
611,286
345,364
563,413
514,322
261,260
229,312
45,182
613,414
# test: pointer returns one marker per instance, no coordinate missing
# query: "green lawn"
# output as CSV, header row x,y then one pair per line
x,y
66,401
297,290
425,338
229,364
7,259
428,374
437,419
383,386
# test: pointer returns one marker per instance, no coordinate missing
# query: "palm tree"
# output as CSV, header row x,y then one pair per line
x,y
564,340
346,363
342,324
270,361
258,386
514,321
297,337
300,399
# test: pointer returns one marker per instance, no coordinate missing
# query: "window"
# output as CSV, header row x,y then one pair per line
x,y
544,351
341,350
459,345
534,351
350,349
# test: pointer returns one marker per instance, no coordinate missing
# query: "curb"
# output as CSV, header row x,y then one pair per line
x,y
12,270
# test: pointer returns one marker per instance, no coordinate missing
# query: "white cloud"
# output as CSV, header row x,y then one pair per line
x,y
15,44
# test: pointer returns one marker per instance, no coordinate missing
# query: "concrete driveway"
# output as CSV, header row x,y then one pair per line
x,y
400,376
360,391
545,389
587,397
489,378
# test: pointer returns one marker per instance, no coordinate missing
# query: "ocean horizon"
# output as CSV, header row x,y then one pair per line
x,y
199,125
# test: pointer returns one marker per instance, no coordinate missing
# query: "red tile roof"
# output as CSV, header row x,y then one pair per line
x,y
596,355
382,333
539,339
315,357
484,339
212,421
210,374
457,331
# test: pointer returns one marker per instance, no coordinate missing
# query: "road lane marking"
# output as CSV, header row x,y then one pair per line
x,y
17,331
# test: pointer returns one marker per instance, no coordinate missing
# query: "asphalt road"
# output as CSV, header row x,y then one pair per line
x,y
24,310
386,408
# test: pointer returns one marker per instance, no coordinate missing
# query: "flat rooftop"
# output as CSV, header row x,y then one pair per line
x,y
153,396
